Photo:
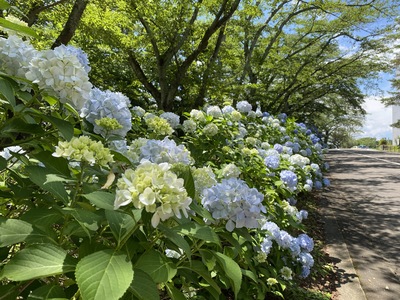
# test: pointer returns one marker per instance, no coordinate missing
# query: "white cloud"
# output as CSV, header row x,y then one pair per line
x,y
378,119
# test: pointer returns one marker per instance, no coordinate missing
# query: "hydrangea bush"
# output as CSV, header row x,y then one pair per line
x,y
100,200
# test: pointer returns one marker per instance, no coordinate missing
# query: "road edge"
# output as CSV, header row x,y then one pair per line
x,y
349,285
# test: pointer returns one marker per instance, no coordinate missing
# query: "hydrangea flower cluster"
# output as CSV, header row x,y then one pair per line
x,y
289,178
299,160
272,159
166,150
234,201
156,189
189,126
107,104
60,73
210,129
172,119
244,106
214,111
299,247
158,125
230,171
203,178
83,149
15,55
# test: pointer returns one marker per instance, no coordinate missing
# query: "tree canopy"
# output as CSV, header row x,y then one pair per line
x,y
303,58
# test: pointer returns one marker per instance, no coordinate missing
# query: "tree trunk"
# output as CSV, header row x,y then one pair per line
x,y
72,23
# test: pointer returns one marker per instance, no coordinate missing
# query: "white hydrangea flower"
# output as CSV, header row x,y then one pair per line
x,y
60,73
197,115
156,189
286,273
227,110
173,119
214,111
107,104
189,126
299,160
15,55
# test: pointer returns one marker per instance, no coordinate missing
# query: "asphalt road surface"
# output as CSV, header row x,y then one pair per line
x,y
364,197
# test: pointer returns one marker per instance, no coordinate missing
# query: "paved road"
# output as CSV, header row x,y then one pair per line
x,y
364,197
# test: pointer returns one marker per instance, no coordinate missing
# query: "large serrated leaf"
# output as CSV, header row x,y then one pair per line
x,y
38,261
157,266
142,279
38,175
14,231
101,199
122,224
104,275
47,292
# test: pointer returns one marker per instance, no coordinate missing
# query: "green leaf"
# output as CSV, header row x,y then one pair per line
x,y
47,292
157,266
176,238
101,199
56,165
19,28
7,91
38,261
122,224
38,175
174,293
142,279
14,231
3,163
66,128
201,232
199,268
87,219
186,175
250,275
20,126
8,292
4,4
104,275
231,269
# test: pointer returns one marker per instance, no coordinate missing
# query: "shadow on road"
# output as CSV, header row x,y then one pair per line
x,y
364,197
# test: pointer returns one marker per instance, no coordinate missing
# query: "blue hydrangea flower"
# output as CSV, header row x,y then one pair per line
x,y
272,159
289,178
305,242
107,104
233,200
278,147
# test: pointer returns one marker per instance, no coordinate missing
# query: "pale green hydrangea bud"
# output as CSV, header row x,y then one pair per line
x,y
83,149
189,126
156,189
203,178
272,281
230,171
159,126
210,130
286,273
236,116
108,123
